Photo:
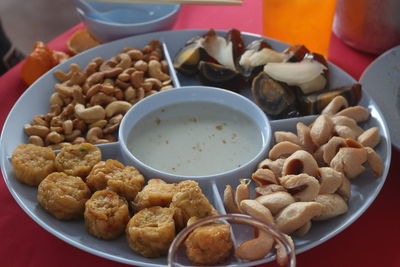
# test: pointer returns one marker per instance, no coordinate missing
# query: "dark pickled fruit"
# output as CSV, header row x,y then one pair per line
x,y
217,75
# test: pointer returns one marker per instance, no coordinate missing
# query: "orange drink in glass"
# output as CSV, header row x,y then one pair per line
x,y
306,22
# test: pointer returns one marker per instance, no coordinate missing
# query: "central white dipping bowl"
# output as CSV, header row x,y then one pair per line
x,y
194,94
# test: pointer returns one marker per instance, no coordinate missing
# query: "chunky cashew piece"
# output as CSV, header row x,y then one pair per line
x,y
303,187
94,136
264,177
332,147
242,191
345,189
332,206
229,200
276,201
302,231
283,150
268,189
349,161
303,132
281,136
117,107
113,124
296,215
35,140
300,162
336,105
56,99
349,122
54,138
66,90
274,165
91,114
37,130
260,246
329,179
62,76
374,161
125,61
357,113
156,72
321,130
370,137
137,78
344,132
73,135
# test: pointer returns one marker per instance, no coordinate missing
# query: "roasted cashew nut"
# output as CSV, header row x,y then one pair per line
x,y
336,105
117,107
37,130
357,113
300,162
35,140
276,201
264,177
349,161
281,136
283,150
94,136
66,90
296,215
329,179
156,72
370,137
321,130
332,206
303,187
62,76
91,114
125,61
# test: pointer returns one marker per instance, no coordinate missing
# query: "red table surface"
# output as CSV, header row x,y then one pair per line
x,y
370,241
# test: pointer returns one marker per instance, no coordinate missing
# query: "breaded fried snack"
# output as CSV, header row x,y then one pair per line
x,y
77,160
127,181
155,193
151,231
63,196
209,244
106,214
189,201
32,163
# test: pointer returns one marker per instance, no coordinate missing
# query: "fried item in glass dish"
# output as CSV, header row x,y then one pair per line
x,y
127,181
32,163
155,193
151,231
63,196
77,160
106,214
209,244
189,201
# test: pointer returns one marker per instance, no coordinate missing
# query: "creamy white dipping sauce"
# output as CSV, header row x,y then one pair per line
x,y
195,139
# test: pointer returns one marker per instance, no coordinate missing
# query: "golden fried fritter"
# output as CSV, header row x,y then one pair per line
x,y
106,214
209,244
155,193
32,163
189,201
77,160
127,181
63,196
151,231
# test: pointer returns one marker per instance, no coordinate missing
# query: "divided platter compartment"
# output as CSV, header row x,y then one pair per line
x,y
35,101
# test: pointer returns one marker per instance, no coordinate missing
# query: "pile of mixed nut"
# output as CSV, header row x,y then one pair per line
x,y
89,103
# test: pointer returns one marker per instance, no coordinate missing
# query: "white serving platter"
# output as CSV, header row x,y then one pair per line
x,y
35,101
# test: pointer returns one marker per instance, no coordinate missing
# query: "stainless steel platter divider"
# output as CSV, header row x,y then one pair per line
x,y
364,191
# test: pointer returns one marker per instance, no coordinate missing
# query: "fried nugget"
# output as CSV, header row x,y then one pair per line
x,y
151,231
189,201
32,163
155,193
209,244
63,196
127,181
106,214
77,160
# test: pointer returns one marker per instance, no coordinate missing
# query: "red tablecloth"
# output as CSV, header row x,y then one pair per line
x,y
371,241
